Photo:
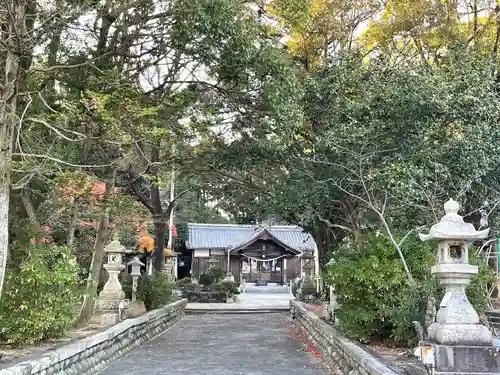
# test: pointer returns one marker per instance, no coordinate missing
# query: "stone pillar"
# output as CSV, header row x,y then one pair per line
x,y
111,301
307,287
170,266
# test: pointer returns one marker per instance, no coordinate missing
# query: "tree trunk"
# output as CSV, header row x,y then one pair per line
x,y
97,258
160,230
14,24
32,217
72,224
160,220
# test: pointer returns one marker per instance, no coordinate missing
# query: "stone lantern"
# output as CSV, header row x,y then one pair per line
x,y
457,323
111,305
307,287
170,266
112,290
136,265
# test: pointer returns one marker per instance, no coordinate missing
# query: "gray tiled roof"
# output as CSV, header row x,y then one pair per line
x,y
224,236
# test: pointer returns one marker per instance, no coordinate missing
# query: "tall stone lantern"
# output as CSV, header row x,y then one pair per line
x,y
457,323
307,287
111,305
112,290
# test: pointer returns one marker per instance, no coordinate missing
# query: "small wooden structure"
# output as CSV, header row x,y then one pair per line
x,y
258,254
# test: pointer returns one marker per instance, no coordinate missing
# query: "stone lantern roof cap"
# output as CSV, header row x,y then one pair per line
x,y
453,227
134,262
114,247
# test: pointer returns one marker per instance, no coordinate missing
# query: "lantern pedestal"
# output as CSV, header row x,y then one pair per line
x,y
466,334
457,323
477,360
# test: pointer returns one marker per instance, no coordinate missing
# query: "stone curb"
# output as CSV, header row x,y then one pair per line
x,y
92,354
341,354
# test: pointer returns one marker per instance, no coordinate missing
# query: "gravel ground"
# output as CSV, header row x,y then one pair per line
x,y
259,344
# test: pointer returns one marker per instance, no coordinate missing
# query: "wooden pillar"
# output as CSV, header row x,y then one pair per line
x,y
283,272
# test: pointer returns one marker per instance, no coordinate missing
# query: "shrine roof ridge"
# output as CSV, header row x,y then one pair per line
x,y
246,226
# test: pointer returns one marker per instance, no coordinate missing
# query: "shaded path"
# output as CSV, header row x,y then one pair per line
x,y
232,344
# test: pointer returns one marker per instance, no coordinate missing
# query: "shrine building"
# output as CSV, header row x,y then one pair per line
x,y
256,253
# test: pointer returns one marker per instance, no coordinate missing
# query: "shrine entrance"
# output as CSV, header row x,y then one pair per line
x,y
263,271
264,260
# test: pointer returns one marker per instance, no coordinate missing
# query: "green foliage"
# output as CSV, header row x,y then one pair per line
x,y
217,272
375,297
183,282
229,287
206,278
155,290
40,298
211,276
128,238
192,287
477,290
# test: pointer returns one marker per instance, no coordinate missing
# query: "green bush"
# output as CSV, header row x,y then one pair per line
x,y
374,295
217,272
155,290
207,278
228,287
182,282
40,299
191,287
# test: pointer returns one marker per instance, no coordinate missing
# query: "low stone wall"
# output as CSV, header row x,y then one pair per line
x,y
92,354
343,356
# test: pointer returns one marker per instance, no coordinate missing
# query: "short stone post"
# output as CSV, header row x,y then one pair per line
x,y
136,265
111,301
307,287
332,305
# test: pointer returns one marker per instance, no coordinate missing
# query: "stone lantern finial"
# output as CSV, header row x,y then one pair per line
x,y
451,207
457,323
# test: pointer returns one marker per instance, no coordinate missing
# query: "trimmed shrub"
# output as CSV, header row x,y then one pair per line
x,y
217,272
182,282
155,290
192,287
207,278
228,287
40,299
207,297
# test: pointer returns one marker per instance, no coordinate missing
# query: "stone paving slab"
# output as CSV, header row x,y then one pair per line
x,y
259,344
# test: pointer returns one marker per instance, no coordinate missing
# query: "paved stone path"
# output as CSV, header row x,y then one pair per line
x,y
233,344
